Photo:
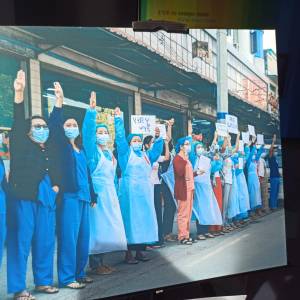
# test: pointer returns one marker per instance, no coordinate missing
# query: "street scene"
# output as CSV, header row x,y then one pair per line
x,y
136,160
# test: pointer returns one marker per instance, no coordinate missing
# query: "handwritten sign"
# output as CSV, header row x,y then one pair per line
x,y
222,129
204,163
260,139
232,124
162,129
251,130
241,163
143,124
241,146
246,137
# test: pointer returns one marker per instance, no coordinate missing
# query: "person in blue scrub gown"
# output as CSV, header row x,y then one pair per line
x,y
106,223
33,186
73,229
2,205
136,192
253,180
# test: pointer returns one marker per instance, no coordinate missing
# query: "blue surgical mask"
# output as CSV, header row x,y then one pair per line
x,y
200,151
136,146
102,139
72,132
40,135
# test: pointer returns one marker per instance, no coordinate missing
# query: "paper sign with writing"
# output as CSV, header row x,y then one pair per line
x,y
222,129
251,130
204,163
143,124
241,163
246,137
162,129
241,146
232,124
260,139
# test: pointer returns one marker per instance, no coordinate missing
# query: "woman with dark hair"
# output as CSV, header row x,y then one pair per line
x,y
106,224
156,180
73,213
136,190
34,182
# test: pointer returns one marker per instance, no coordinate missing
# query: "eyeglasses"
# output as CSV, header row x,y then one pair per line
x,y
39,126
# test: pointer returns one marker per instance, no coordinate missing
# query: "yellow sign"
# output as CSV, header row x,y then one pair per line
x,y
212,13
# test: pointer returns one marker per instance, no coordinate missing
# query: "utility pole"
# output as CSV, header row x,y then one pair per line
x,y
222,74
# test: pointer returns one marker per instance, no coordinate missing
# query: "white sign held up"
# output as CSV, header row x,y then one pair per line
x,y
232,124
204,163
143,124
222,129
241,146
246,137
260,139
162,129
251,130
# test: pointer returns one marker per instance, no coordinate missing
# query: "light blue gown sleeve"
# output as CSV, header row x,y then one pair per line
x,y
122,144
249,155
89,138
216,165
192,156
156,151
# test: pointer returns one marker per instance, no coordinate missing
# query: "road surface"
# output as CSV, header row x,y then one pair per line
x,y
259,245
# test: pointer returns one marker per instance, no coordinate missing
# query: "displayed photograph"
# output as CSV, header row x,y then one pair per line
x,y
136,160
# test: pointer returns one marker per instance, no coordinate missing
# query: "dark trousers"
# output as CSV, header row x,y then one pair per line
x,y
136,247
96,260
202,229
158,210
169,209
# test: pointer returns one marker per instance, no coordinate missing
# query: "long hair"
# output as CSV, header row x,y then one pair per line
x,y
147,141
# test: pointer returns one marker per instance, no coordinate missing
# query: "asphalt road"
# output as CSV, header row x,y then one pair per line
x,y
260,245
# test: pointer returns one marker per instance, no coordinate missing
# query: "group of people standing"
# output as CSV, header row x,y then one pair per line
x,y
62,182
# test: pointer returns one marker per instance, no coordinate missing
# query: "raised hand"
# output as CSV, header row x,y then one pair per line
x,y
19,86
58,91
274,139
93,101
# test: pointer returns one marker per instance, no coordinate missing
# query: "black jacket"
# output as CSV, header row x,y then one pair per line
x,y
29,162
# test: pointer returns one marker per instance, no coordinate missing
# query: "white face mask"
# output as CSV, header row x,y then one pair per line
x,y
102,139
200,151
187,148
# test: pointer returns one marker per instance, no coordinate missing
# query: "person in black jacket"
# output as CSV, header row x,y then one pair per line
x,y
33,187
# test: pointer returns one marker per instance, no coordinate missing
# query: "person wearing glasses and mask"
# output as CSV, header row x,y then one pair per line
x,y
106,224
76,197
136,192
184,189
34,182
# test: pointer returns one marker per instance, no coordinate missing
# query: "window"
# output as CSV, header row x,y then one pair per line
x,y
253,42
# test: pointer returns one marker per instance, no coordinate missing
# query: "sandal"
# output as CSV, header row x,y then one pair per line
x,y
102,271
201,237
86,280
47,289
142,258
193,240
75,285
23,296
131,261
221,233
169,238
186,242
209,235
109,268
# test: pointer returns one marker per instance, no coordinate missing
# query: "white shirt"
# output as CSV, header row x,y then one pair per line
x,y
261,167
227,170
154,173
